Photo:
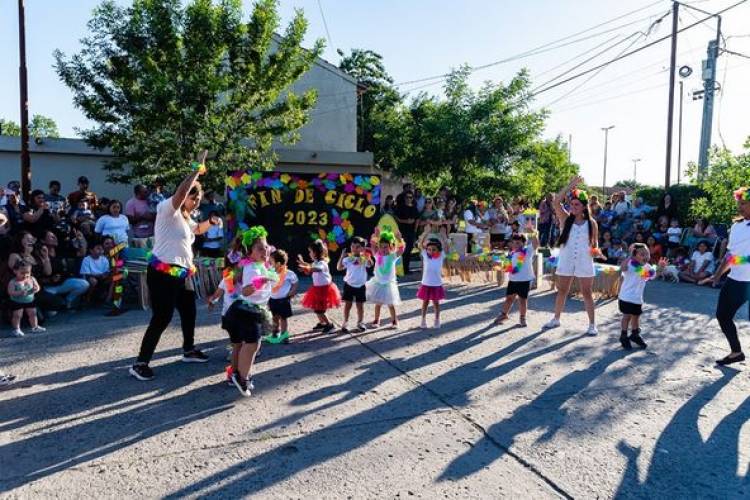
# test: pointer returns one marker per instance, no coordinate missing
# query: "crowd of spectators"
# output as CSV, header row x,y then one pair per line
x,y
70,242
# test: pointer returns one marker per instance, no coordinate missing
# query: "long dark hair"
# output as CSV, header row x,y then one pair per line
x,y
563,239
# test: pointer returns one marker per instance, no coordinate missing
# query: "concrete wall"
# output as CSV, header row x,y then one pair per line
x,y
67,159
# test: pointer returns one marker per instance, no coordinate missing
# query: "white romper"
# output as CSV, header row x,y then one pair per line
x,y
575,255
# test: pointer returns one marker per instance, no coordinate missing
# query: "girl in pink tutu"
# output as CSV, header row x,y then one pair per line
x,y
431,289
324,294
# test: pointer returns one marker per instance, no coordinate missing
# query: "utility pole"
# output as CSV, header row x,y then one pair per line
x,y
635,169
670,109
679,139
709,83
606,141
24,97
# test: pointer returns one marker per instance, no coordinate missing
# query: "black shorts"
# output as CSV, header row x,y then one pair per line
x,y
630,308
352,294
242,324
520,288
497,238
281,307
15,306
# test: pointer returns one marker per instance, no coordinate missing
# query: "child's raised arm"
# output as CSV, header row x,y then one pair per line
x,y
340,264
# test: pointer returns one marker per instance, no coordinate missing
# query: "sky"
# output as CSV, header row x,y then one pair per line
x,y
424,38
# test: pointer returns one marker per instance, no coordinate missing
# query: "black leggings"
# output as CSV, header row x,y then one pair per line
x,y
167,293
733,295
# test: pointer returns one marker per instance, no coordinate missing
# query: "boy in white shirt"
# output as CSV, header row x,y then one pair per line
x,y
280,302
355,264
95,269
520,274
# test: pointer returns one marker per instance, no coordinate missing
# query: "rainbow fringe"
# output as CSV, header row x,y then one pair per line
x,y
170,269
645,272
738,260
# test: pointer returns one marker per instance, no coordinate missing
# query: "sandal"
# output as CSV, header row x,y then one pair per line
x,y
522,322
500,319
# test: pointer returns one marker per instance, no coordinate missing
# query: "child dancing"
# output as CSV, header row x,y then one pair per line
x,y
355,264
431,289
280,302
382,288
636,271
520,273
323,295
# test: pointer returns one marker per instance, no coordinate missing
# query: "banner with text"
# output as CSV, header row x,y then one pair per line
x,y
297,208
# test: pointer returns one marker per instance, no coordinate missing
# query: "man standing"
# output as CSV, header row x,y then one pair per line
x,y
139,213
545,220
736,290
406,216
406,188
83,193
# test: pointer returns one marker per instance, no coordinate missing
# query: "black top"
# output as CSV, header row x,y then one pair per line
x,y
407,212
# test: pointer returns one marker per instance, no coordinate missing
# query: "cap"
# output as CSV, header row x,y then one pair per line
x,y
83,180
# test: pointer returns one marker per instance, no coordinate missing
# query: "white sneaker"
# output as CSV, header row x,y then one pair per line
x,y
38,329
437,323
424,326
593,331
17,333
553,323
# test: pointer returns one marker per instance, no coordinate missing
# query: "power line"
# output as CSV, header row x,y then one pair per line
x,y
325,24
632,52
549,45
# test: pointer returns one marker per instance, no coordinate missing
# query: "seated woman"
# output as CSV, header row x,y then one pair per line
x,y
703,230
114,223
56,275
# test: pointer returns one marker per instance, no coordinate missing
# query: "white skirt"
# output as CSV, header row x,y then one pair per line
x,y
382,293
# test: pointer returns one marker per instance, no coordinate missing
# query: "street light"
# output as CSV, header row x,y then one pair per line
x,y
606,140
685,71
635,169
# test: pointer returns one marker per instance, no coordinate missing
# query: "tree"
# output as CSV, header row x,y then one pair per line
x,y
39,126
472,140
726,172
628,185
381,117
163,81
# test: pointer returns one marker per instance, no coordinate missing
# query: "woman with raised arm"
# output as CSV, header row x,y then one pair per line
x,y
579,244
170,271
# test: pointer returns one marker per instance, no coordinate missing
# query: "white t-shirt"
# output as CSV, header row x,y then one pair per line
x,y
621,207
633,285
250,271
91,266
385,268
674,234
173,235
214,236
116,227
321,275
739,244
526,273
432,269
356,271
228,298
289,280
471,228
697,260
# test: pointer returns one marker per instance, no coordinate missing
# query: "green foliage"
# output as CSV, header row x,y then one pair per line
x,y
475,140
629,185
682,195
381,117
39,126
163,82
726,172
544,168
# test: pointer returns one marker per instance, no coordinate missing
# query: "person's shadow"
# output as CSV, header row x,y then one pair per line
x,y
684,464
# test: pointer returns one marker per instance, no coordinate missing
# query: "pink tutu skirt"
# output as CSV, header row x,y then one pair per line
x,y
322,298
431,292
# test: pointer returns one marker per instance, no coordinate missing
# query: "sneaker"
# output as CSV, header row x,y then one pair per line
x,y
7,379
625,342
553,323
240,384
250,384
423,326
194,356
319,327
638,340
229,372
328,328
284,337
361,327
373,325
593,331
437,324
38,329
142,372
344,328
394,326
17,333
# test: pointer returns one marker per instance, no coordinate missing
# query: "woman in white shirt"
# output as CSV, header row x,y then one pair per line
x,y
736,289
170,270
473,224
114,224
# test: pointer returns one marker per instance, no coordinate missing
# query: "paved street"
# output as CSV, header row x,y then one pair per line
x,y
469,411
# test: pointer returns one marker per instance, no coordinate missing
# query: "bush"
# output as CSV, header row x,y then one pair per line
x,y
682,194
